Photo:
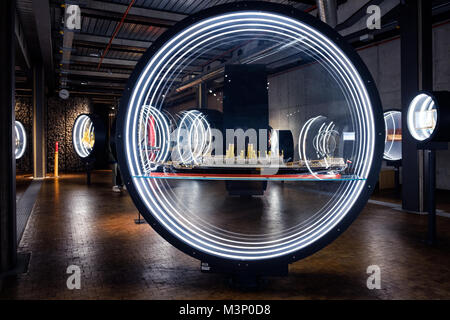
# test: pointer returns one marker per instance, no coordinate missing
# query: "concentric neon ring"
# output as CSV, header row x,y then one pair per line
x,y
21,139
422,117
82,135
158,203
392,142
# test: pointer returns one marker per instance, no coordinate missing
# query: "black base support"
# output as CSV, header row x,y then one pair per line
x,y
88,167
139,220
244,275
23,260
430,180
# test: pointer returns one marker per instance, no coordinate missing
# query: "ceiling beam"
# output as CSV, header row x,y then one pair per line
x,y
98,74
117,17
21,42
95,60
169,18
116,41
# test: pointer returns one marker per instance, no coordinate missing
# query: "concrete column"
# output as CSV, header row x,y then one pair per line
x,y
416,74
202,96
8,241
39,141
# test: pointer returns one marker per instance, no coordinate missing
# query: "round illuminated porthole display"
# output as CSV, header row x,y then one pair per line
x,y
21,139
83,136
393,139
266,68
89,137
422,116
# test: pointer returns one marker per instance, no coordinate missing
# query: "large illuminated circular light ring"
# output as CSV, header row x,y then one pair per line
x,y
161,62
393,139
428,116
88,136
20,139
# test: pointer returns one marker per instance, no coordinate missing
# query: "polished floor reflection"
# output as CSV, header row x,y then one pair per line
x,y
93,228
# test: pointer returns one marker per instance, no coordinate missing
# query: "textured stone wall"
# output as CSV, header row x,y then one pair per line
x,y
61,115
24,114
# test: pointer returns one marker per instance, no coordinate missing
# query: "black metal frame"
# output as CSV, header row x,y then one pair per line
x,y
258,266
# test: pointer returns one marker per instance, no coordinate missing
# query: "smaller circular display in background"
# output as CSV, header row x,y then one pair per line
x,y
21,139
83,136
393,140
422,116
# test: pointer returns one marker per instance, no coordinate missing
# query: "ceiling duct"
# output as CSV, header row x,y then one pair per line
x,y
328,11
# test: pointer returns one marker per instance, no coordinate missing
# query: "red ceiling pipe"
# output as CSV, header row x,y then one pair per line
x,y
115,33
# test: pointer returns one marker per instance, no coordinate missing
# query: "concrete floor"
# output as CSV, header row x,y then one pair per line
x,y
93,228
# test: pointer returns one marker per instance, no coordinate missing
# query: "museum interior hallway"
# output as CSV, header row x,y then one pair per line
x,y
93,228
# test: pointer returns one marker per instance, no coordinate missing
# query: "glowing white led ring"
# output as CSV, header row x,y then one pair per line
x,y
152,196
20,139
151,158
82,135
193,126
422,117
392,146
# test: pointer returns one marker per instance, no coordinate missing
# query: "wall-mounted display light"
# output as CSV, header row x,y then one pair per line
x,y
21,139
428,116
185,200
393,139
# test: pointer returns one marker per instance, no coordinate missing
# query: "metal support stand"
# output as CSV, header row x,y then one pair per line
x,y
430,186
397,179
396,164
88,175
139,220
431,203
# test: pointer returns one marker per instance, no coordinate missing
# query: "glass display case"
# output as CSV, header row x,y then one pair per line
x,y
250,133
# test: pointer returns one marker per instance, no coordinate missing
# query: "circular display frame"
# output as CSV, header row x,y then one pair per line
x,y
440,121
100,137
422,100
387,155
375,149
21,136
